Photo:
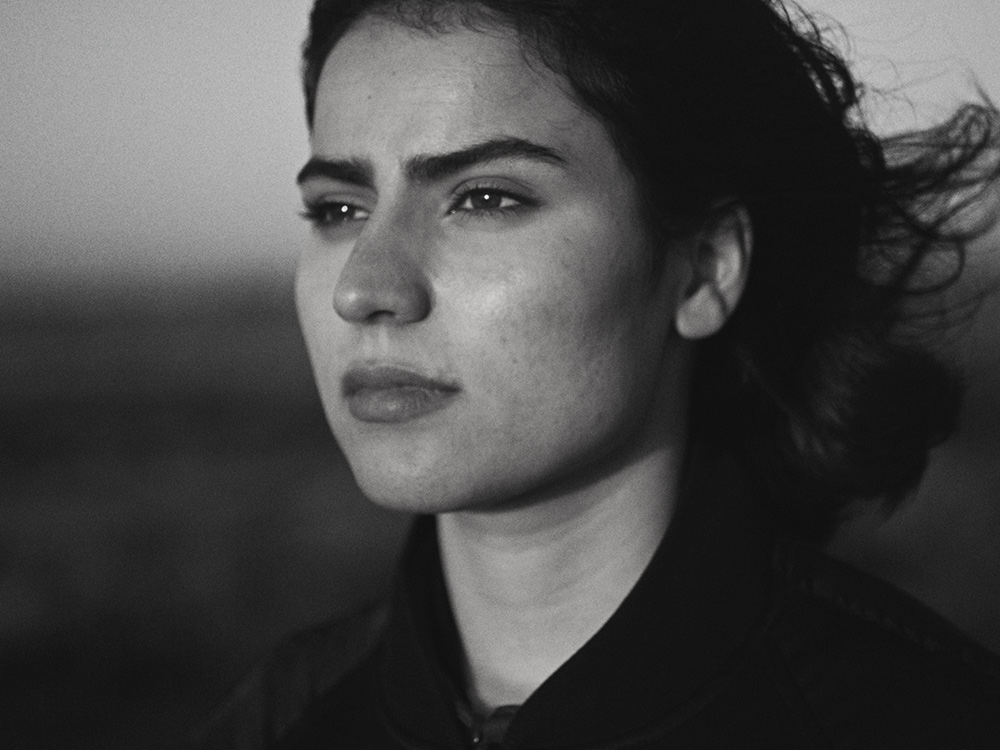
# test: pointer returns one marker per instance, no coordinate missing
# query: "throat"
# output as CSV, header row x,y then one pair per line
x,y
525,601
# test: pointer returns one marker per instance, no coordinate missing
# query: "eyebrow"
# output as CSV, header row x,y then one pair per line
x,y
354,171
433,167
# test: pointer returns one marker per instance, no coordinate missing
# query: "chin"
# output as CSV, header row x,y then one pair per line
x,y
433,489
413,470
408,492
413,500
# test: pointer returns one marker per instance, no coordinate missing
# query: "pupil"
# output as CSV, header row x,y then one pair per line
x,y
486,199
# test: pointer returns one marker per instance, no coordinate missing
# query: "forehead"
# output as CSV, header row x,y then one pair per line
x,y
388,87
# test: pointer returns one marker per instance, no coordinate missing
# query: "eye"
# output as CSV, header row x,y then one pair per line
x,y
487,200
333,213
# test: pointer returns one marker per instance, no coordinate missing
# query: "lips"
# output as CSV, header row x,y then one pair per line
x,y
390,394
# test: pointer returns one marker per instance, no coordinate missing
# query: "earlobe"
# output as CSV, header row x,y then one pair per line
x,y
720,262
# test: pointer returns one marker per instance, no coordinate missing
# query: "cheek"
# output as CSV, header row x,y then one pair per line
x,y
563,331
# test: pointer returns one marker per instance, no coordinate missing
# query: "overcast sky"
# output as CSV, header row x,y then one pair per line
x,y
143,137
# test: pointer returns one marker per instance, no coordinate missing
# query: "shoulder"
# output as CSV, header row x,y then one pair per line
x,y
274,697
872,666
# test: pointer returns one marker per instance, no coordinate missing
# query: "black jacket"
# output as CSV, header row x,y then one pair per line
x,y
732,638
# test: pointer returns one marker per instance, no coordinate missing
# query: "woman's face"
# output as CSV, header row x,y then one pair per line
x,y
479,304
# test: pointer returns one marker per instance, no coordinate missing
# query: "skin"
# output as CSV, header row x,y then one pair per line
x,y
526,283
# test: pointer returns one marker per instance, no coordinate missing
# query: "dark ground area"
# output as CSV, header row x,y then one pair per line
x,y
171,503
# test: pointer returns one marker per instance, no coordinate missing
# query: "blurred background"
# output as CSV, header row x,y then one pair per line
x,y
171,501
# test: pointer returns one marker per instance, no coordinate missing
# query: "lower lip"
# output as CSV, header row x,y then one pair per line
x,y
397,404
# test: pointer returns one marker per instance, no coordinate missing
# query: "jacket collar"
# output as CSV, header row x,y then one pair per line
x,y
694,606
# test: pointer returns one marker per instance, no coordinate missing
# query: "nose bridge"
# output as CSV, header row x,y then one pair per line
x,y
385,277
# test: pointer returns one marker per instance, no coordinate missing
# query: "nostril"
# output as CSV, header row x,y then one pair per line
x,y
383,317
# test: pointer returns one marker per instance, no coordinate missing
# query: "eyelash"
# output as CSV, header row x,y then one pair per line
x,y
326,214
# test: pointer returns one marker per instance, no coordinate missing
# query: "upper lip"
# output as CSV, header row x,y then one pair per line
x,y
384,377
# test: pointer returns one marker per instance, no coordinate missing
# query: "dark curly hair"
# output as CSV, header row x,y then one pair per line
x,y
817,380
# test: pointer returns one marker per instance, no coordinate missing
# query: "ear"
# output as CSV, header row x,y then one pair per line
x,y
720,262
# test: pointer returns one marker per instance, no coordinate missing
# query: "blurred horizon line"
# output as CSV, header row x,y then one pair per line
x,y
260,291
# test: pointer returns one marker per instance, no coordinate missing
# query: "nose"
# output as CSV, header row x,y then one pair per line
x,y
383,280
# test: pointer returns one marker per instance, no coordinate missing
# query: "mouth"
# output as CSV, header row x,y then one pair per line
x,y
389,394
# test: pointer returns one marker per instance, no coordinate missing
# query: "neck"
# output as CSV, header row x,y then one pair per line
x,y
530,585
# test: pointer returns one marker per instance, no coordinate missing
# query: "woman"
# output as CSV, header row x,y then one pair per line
x,y
616,295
